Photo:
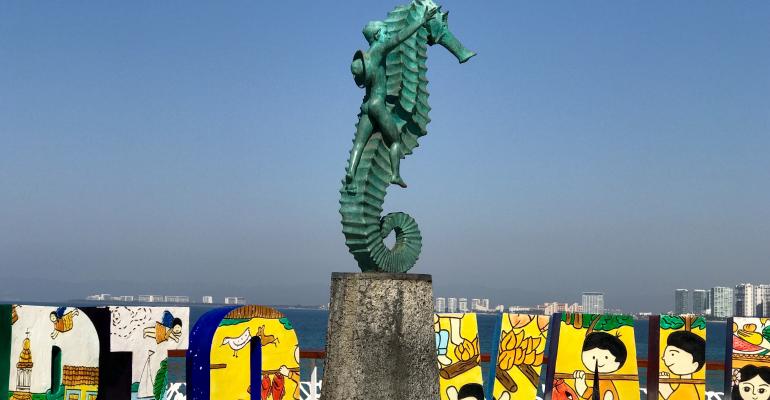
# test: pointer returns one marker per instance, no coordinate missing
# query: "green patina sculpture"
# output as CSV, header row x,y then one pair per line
x,y
394,114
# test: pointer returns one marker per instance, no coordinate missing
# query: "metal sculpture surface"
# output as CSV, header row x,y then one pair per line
x,y
394,114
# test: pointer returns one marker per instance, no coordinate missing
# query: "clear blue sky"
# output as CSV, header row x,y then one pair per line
x,y
197,147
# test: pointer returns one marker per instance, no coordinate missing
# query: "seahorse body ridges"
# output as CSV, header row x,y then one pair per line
x,y
362,225
407,101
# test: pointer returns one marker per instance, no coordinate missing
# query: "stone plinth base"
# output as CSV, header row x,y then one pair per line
x,y
380,342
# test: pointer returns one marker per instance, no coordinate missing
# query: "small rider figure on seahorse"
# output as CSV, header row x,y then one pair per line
x,y
368,68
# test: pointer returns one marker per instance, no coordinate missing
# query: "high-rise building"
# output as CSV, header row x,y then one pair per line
x,y
451,305
593,302
682,301
745,301
480,305
177,299
100,297
440,305
721,302
462,305
207,300
762,295
154,298
555,307
700,302
235,300
708,302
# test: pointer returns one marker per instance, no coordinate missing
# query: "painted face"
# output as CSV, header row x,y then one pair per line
x,y
52,317
601,358
177,329
679,361
754,389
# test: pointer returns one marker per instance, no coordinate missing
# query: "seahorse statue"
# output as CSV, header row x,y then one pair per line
x,y
394,115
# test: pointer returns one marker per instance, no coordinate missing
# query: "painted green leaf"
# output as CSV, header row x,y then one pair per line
x,y
286,323
159,386
233,321
699,323
610,322
671,322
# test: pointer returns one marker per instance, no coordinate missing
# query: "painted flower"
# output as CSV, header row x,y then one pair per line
x,y
519,320
515,349
468,350
542,323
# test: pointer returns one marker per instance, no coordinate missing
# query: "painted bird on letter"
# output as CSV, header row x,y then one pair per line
x,y
237,343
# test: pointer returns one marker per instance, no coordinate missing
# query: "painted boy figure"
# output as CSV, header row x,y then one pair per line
x,y
685,354
605,354
169,328
368,69
63,321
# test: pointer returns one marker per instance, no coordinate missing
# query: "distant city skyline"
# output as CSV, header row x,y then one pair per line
x,y
591,302
743,300
161,298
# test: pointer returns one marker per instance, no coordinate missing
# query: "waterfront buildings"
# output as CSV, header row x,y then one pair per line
x,y
551,308
462,305
100,297
235,300
593,302
440,305
150,298
682,302
762,295
745,300
481,305
721,302
207,300
700,302
451,305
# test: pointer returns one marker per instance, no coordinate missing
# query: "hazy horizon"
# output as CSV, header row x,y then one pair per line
x,y
198,148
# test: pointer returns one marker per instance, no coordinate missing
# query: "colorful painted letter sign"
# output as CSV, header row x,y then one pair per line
x,y
591,346
750,359
520,356
459,356
252,352
122,353
54,354
682,354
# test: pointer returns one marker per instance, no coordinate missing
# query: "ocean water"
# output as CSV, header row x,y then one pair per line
x,y
310,326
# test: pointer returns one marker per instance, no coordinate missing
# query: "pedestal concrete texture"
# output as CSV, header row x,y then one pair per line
x,y
380,342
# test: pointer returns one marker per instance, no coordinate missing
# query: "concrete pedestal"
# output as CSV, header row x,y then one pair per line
x,y
380,342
